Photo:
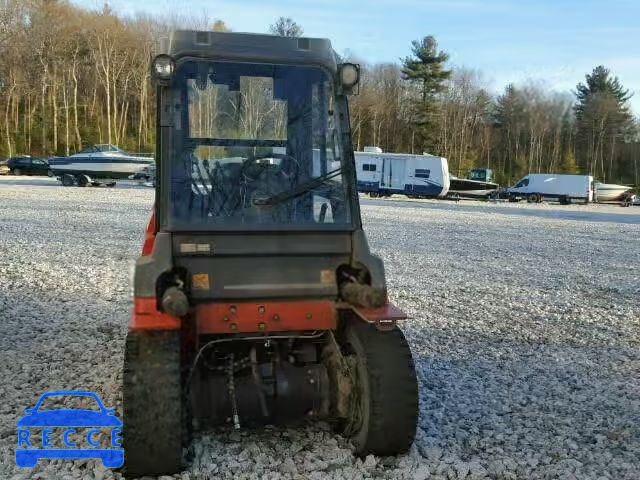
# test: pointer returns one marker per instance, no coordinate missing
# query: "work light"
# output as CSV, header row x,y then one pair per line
x,y
349,75
162,67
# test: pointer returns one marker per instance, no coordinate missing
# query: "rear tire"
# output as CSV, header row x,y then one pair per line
x,y
387,390
17,171
153,429
50,173
83,180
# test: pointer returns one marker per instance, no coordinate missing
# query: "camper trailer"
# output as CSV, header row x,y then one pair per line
x,y
417,176
536,187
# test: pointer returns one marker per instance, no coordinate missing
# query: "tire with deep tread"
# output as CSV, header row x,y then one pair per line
x,y
388,389
153,427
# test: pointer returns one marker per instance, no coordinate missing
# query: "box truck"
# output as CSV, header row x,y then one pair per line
x,y
536,187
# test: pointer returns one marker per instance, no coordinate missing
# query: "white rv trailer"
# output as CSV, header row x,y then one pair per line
x,y
382,174
565,188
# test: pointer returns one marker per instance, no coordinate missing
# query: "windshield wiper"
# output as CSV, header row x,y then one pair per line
x,y
297,191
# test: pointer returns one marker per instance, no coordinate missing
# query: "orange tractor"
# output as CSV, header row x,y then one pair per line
x,y
257,299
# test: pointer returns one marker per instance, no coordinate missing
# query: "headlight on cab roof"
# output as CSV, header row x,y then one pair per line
x,y
162,67
349,75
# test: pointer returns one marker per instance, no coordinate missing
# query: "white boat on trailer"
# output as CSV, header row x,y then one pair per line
x,y
609,192
478,184
97,165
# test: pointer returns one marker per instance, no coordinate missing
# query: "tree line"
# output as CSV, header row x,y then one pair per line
x,y
422,105
71,77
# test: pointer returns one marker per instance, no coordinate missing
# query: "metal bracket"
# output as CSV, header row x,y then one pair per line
x,y
384,318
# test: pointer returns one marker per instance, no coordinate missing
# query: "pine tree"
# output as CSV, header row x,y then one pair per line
x,y
601,82
426,68
509,123
604,121
569,164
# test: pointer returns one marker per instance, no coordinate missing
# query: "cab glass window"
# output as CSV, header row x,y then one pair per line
x,y
255,145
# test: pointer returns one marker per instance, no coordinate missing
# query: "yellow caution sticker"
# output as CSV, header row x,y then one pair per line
x,y
327,276
200,281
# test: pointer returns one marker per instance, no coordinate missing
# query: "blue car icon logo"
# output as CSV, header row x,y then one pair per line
x,y
29,452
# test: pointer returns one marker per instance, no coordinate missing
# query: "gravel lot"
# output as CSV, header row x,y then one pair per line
x,y
525,332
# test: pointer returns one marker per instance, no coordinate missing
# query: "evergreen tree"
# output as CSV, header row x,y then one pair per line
x,y
426,67
569,164
604,122
601,82
508,121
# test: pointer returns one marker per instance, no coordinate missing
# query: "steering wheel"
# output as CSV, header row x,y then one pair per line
x,y
289,168
262,179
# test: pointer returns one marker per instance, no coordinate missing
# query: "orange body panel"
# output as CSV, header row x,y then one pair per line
x,y
217,318
147,317
221,318
149,236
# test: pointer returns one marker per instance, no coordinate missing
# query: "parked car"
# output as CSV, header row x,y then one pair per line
x,y
25,165
4,168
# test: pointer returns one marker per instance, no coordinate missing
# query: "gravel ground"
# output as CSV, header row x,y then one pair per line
x,y
525,332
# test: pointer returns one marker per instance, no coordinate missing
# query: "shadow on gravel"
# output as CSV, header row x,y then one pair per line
x,y
541,212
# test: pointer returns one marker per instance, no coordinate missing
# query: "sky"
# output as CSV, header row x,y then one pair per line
x,y
555,42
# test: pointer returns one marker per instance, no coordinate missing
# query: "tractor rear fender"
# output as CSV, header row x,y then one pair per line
x,y
150,266
146,317
154,263
361,255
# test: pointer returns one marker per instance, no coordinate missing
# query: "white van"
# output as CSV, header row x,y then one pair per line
x,y
382,174
537,186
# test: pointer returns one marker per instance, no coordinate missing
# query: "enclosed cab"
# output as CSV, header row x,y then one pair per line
x,y
257,299
481,175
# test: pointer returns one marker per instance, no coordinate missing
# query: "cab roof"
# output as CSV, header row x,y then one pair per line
x,y
251,47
